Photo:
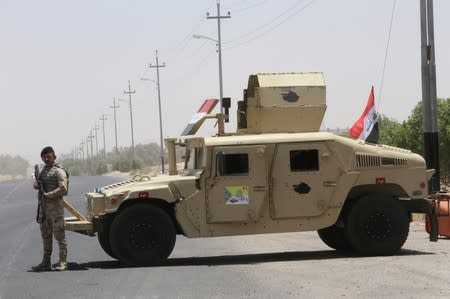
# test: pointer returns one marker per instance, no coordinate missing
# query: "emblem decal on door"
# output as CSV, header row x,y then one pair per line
x,y
302,188
236,195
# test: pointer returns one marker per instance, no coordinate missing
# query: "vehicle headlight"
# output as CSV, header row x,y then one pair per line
x,y
95,203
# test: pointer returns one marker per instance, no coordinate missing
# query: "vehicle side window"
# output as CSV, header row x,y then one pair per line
x,y
232,164
304,160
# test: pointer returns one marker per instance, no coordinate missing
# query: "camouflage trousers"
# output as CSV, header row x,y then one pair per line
x,y
54,224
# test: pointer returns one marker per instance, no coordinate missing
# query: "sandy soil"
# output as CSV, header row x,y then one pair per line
x,y
11,177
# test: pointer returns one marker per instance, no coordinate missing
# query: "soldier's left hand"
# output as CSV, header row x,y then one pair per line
x,y
46,195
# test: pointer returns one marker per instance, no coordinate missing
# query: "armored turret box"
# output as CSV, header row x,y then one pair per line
x,y
282,103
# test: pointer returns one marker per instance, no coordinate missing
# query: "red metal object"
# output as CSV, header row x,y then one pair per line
x,y
143,194
380,180
442,206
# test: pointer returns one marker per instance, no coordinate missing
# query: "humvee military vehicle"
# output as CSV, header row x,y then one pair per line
x,y
276,173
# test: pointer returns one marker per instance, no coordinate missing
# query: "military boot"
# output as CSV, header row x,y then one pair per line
x,y
60,266
43,266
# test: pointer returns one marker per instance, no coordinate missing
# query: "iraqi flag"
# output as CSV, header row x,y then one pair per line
x,y
366,127
199,117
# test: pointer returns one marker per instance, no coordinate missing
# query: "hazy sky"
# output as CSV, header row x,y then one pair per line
x,y
62,61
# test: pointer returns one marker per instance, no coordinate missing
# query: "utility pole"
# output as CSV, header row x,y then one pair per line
x,y
103,118
219,45
87,148
114,106
157,66
82,156
74,153
82,150
96,128
129,92
89,139
430,123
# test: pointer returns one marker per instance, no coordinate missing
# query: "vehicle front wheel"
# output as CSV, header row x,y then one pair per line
x,y
142,234
334,237
377,225
103,239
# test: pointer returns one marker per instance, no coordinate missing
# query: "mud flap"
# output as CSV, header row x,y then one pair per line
x,y
424,206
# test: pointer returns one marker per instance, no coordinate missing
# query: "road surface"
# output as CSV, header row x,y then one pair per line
x,y
291,265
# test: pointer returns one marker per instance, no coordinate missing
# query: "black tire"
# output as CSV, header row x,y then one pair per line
x,y
142,234
103,239
377,225
334,237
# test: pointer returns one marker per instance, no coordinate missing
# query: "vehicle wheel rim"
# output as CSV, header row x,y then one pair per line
x,y
378,226
142,236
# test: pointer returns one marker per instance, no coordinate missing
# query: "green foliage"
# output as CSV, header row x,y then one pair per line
x,y
413,127
72,166
391,131
146,155
409,134
102,167
13,165
444,137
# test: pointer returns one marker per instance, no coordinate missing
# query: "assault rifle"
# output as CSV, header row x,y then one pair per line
x,y
40,214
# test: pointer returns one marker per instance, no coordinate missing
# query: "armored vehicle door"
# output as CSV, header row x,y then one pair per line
x,y
304,179
238,184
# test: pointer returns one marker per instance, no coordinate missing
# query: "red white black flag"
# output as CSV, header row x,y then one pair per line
x,y
198,118
366,127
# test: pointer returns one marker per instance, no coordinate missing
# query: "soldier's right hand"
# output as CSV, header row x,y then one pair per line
x,y
36,185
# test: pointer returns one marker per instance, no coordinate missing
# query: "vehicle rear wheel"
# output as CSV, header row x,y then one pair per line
x,y
377,225
142,234
334,237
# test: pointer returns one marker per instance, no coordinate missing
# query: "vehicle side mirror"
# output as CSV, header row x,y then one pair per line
x,y
226,104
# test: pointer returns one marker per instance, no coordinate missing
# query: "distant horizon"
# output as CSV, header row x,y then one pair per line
x,y
64,62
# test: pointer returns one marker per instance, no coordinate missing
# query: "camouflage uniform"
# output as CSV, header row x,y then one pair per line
x,y
54,183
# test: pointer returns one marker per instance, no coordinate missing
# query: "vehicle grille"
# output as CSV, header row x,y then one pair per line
x,y
394,161
365,160
370,161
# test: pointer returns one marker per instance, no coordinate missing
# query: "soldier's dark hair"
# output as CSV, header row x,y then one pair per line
x,y
47,150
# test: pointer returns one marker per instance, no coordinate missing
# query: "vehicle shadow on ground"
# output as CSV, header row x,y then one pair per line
x,y
241,259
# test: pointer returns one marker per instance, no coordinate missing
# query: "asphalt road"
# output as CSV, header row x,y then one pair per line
x,y
292,265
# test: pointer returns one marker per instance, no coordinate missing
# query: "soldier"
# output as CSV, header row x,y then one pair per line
x,y
54,183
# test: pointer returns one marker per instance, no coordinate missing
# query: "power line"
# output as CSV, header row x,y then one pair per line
x,y
287,11
386,55
240,10
182,45
194,69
